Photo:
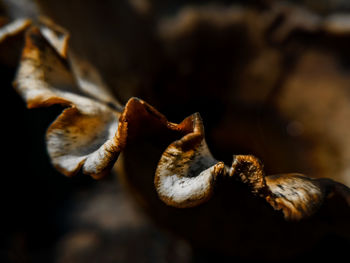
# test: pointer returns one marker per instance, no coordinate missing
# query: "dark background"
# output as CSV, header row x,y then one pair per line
x,y
46,217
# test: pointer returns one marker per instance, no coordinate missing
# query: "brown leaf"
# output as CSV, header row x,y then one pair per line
x,y
84,135
186,172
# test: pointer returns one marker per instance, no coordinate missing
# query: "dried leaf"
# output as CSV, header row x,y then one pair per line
x,y
56,35
296,195
11,39
186,172
13,28
299,196
84,135
94,128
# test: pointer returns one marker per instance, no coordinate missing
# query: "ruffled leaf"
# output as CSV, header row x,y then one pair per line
x,y
186,172
85,134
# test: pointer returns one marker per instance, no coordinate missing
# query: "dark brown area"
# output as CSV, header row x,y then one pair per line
x,y
241,77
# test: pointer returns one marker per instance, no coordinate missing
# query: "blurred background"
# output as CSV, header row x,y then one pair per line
x,y
269,78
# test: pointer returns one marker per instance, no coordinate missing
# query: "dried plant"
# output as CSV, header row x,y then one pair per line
x,y
227,206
